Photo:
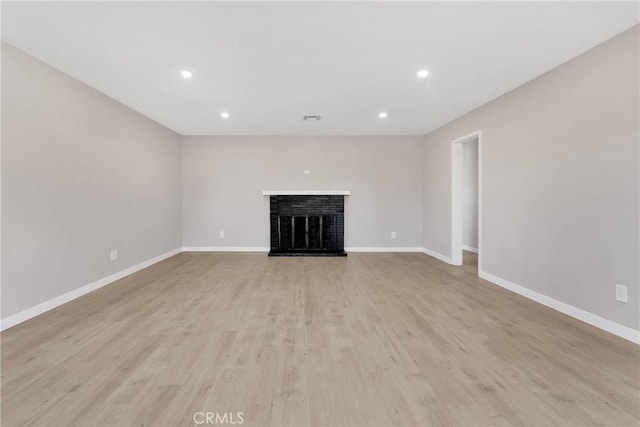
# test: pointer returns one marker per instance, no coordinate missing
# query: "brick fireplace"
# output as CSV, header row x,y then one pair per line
x,y
307,225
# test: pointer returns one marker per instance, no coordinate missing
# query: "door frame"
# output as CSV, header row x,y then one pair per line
x,y
456,196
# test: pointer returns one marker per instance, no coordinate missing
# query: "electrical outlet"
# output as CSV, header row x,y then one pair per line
x,y
393,235
113,255
621,293
222,234
307,171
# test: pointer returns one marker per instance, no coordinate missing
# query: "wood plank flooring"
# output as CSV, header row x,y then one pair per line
x,y
367,340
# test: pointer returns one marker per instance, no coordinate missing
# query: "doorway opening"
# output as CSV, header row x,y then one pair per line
x,y
466,200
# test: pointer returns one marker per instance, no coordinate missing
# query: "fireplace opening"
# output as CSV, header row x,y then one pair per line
x,y
307,225
310,232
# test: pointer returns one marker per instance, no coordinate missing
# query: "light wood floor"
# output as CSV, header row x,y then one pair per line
x,y
371,339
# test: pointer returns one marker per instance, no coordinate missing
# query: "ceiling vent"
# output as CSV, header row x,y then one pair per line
x,y
311,118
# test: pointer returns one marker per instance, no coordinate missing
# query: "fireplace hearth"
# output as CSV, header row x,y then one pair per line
x,y
307,225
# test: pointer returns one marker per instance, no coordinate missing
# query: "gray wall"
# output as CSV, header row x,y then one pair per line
x,y
223,179
81,175
561,181
470,194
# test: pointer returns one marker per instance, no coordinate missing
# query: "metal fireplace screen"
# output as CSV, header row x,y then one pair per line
x,y
311,232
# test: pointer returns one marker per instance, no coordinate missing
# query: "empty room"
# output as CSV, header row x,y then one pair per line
x,y
368,213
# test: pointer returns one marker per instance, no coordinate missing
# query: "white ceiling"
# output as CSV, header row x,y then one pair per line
x,y
269,63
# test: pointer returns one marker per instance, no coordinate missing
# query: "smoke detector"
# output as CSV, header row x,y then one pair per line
x,y
311,118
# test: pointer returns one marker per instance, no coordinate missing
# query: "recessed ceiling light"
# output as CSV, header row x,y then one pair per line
x,y
186,74
382,115
224,115
423,73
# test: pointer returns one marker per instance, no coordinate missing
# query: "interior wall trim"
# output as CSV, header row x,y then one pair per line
x,y
470,249
607,325
382,249
437,255
43,307
225,249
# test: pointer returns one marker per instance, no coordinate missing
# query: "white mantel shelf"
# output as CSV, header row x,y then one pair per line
x,y
306,192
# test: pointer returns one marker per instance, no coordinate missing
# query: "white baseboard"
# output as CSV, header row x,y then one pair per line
x,y
437,255
225,249
382,249
36,310
470,249
266,249
610,326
